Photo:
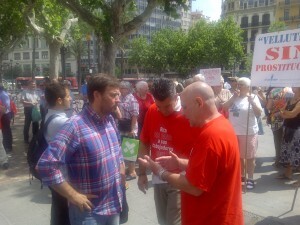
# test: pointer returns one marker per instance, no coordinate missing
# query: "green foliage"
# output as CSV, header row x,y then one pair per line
x,y
206,45
12,25
139,52
277,26
50,16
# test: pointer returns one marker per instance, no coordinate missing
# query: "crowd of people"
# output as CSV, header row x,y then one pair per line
x,y
200,142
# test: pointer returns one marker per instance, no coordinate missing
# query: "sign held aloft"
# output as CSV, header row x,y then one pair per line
x,y
276,59
212,76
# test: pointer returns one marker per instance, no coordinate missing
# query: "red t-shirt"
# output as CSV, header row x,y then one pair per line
x,y
144,105
214,167
167,133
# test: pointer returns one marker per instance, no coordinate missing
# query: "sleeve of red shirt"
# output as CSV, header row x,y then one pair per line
x,y
202,168
145,134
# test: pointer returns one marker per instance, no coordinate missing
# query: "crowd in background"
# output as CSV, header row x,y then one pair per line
x,y
244,106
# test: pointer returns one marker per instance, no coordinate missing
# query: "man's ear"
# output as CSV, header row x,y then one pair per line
x,y
199,101
59,101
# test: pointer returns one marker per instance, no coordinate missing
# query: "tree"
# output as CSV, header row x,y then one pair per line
x,y
214,44
12,28
138,53
277,26
108,19
227,48
164,50
76,45
51,21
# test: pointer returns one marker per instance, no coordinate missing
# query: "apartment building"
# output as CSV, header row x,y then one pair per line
x,y
288,11
256,16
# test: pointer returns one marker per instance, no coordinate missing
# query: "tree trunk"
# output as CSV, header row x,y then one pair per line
x,y
54,48
108,56
79,78
33,70
1,68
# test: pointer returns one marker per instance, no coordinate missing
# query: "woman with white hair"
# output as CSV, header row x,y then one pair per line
x,y
243,109
128,125
145,100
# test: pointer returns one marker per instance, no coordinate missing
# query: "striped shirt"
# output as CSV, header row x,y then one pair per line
x,y
88,146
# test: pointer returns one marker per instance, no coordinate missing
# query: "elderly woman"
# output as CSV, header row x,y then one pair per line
x,y
128,124
145,100
290,148
221,96
243,110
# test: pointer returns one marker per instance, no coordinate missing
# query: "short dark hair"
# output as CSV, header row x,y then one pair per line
x,y
53,91
99,83
163,88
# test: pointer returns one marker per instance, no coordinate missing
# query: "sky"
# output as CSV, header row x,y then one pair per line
x,y
210,8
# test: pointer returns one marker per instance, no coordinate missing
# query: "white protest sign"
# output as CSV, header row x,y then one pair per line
x,y
212,76
276,59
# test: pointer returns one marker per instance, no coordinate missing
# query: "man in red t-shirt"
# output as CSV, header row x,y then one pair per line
x,y
165,130
211,187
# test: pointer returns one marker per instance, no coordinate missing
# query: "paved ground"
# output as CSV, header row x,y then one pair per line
x,y
22,203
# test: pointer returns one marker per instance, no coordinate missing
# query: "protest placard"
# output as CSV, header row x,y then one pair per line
x,y
212,76
276,59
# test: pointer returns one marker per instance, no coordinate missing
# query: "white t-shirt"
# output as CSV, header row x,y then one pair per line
x,y
238,114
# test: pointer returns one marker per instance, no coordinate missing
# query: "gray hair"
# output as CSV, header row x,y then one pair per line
x,y
125,84
139,85
245,81
199,77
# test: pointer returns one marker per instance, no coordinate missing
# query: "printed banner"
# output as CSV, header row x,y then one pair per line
x,y
276,59
130,148
212,76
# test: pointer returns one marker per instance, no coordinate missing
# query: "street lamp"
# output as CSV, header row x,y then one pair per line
x,y
11,71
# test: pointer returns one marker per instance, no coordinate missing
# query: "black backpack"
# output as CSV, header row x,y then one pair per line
x,y
37,146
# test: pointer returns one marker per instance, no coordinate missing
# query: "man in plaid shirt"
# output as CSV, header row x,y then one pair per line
x,y
88,148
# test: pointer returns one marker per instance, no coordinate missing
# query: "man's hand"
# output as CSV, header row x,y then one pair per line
x,y
143,183
82,201
170,163
149,163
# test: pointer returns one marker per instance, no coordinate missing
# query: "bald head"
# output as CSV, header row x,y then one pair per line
x,y
198,103
199,89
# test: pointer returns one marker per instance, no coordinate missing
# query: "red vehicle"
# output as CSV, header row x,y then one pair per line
x,y
22,82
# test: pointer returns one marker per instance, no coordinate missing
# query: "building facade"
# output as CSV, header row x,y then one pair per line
x,y
288,11
256,16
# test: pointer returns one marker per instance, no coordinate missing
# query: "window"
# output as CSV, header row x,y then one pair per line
x,y
17,56
255,4
45,69
253,34
44,54
244,22
255,20
266,2
37,55
26,55
287,2
5,57
286,14
44,43
266,19
68,68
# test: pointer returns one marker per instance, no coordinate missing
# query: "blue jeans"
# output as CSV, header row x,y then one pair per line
x,y
77,217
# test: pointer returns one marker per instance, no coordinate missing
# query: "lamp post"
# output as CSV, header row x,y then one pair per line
x,y
11,71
